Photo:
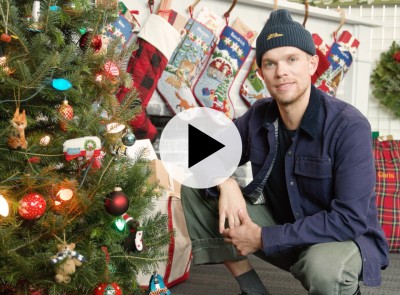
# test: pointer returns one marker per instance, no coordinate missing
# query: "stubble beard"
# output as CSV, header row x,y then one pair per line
x,y
284,101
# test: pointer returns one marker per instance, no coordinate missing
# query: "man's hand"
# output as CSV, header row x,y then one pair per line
x,y
247,237
230,201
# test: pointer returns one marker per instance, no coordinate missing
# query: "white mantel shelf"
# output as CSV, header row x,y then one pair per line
x,y
314,12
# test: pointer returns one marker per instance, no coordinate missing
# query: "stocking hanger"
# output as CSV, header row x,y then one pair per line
x,y
227,13
275,5
305,13
342,21
191,7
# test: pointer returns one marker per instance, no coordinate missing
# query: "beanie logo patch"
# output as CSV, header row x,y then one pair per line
x,y
274,35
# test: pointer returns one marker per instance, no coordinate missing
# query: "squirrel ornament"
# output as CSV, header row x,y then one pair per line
x,y
17,137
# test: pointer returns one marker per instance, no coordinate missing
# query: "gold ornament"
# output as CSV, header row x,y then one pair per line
x,y
67,112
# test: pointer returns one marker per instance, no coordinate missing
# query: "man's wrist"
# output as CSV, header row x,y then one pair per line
x,y
228,181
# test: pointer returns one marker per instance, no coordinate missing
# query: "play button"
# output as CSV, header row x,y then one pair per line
x,y
198,138
200,147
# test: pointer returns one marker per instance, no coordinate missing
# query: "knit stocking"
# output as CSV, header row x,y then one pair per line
x,y
253,86
322,50
157,40
212,88
340,58
188,58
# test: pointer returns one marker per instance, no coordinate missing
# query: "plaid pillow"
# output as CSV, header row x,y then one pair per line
x,y
387,163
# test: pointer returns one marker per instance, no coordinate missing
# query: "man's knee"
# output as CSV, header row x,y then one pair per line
x,y
320,274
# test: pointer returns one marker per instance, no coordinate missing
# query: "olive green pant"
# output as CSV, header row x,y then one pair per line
x,y
326,268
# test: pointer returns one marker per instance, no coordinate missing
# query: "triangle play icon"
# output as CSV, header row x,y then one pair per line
x,y
201,145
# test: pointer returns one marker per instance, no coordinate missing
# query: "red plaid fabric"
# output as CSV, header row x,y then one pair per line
x,y
146,65
387,163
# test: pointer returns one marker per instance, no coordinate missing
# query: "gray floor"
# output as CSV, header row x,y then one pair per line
x,y
215,279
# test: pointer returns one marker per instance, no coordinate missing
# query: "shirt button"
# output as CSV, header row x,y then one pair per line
x,y
291,183
289,153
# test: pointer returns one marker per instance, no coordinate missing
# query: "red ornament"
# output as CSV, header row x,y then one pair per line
x,y
34,160
108,289
396,56
32,206
87,40
67,112
5,38
111,69
116,202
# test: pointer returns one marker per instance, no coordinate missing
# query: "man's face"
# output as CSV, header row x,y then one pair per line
x,y
287,73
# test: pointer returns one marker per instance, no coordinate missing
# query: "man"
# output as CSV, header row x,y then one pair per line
x,y
310,208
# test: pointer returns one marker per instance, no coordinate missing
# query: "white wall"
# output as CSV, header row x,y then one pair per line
x,y
375,27
380,117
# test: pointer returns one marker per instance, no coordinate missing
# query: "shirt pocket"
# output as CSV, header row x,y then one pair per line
x,y
314,178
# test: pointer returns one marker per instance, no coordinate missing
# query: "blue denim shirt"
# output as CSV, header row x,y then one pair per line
x,y
330,176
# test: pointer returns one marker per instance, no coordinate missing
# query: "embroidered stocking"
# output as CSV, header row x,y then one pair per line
x,y
340,58
156,40
186,62
212,88
322,50
253,86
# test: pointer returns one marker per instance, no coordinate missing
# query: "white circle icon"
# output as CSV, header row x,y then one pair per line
x,y
200,147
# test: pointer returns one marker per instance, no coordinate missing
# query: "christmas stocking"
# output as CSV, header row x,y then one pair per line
x,y
129,15
185,64
322,50
156,40
212,87
177,20
340,58
253,86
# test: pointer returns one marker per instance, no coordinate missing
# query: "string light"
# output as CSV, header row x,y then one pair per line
x,y
63,195
4,209
119,224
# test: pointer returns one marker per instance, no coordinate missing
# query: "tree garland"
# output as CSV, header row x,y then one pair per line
x,y
385,79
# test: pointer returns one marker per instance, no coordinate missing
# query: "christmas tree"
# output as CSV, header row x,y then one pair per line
x,y
74,209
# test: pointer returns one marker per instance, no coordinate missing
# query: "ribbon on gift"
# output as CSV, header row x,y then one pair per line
x,y
348,42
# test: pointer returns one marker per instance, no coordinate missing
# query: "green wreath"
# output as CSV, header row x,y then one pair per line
x,y
385,79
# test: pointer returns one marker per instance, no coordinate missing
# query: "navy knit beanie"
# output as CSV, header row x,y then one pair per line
x,y
281,30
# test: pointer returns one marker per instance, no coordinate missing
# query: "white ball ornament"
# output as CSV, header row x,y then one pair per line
x,y
45,140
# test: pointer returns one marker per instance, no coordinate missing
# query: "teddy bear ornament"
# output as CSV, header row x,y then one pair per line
x,y
66,261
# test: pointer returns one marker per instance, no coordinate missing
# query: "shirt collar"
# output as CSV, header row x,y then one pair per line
x,y
309,122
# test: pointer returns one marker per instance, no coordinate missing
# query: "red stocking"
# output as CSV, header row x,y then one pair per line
x,y
157,40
